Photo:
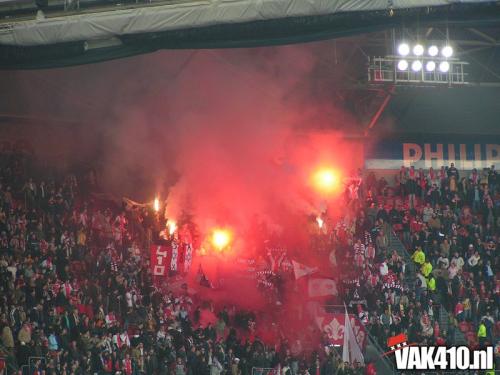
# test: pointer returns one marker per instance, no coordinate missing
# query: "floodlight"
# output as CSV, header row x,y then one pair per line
x,y
447,51
433,51
444,66
403,65
418,50
430,66
416,66
403,49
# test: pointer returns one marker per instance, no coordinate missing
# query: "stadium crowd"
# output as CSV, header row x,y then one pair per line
x,y
450,225
77,296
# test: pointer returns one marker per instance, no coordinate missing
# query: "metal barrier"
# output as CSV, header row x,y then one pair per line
x,y
32,360
264,371
385,69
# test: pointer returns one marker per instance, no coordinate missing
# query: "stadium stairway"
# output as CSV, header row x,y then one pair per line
x,y
410,268
457,336
374,353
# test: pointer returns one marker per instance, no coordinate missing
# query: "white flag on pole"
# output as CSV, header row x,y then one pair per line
x,y
351,351
301,270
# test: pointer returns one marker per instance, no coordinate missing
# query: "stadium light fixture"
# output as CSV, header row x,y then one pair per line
x,y
447,51
444,66
402,65
416,66
403,49
418,50
430,66
433,51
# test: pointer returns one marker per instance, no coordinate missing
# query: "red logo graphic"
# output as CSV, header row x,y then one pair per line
x,y
397,342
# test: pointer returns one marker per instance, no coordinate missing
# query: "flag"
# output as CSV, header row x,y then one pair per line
x,y
351,352
170,257
174,259
397,342
334,326
322,288
188,257
132,205
301,270
159,259
202,279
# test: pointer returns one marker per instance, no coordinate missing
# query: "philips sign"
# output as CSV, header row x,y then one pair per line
x,y
465,155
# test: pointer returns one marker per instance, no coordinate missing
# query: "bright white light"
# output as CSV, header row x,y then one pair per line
x,y
444,66
320,222
172,227
433,51
403,49
416,66
418,50
430,66
447,51
403,65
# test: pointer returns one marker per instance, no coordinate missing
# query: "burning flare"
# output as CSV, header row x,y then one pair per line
x,y
221,238
326,180
156,204
320,222
172,227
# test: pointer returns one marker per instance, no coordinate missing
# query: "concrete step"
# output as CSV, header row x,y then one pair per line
x,y
410,277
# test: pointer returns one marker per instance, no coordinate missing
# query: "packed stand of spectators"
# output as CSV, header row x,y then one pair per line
x,y
77,296
449,221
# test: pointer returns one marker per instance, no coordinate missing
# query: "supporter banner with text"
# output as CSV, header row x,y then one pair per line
x,y
170,257
434,151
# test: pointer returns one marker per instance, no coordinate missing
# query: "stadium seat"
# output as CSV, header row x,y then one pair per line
x,y
464,327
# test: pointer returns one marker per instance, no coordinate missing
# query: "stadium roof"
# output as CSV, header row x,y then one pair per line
x,y
100,30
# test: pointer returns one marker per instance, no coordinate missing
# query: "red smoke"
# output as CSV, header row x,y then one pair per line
x,y
242,145
233,136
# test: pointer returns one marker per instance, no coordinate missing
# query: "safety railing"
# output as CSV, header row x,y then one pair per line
x,y
387,70
29,368
264,371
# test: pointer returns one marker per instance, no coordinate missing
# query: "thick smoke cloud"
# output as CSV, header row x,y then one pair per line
x,y
231,136
242,149
228,134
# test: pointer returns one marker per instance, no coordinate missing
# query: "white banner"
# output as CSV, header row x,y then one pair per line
x,y
322,288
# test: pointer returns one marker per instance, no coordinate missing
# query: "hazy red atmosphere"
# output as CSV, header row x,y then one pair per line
x,y
231,137
227,135
234,187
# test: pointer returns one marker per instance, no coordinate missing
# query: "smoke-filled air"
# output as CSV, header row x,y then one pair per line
x,y
235,139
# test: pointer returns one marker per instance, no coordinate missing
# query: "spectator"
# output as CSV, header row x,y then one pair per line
x,y
481,334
